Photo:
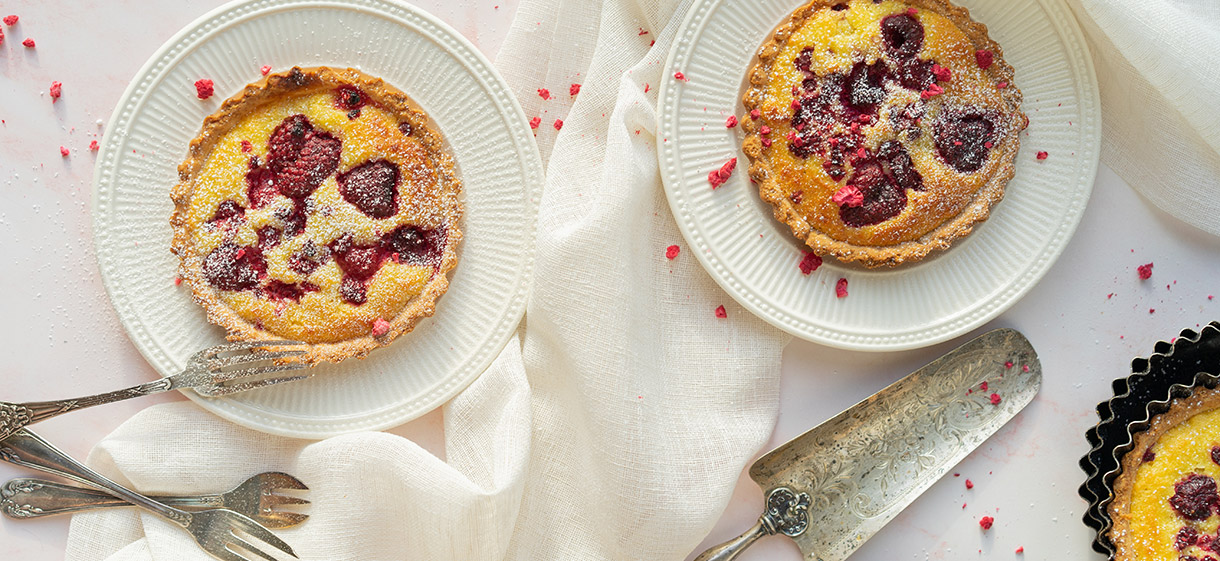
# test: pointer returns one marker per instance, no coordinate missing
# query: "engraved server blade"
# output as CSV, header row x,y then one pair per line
x,y
833,487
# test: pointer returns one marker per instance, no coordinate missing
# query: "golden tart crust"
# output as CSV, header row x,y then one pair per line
x,y
317,205
872,116
1175,450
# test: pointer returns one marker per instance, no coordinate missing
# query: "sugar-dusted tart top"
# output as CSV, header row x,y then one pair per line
x,y
1166,503
317,205
881,130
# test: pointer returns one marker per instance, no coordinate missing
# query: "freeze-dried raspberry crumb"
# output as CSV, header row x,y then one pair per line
x,y
63,151
986,522
720,313
57,89
672,251
848,195
983,386
10,20
558,124
1024,368
535,122
841,288
810,262
380,327
1003,85
1042,155
731,121
1144,271
719,176
29,43
574,89
764,130
932,91
1020,550
969,484
544,93
204,88
646,86
1008,365
943,74
93,146
246,146
265,70
643,31
680,76
755,114
995,399
984,58
912,11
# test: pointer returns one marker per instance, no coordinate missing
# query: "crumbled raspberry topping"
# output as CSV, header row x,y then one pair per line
x,y
93,146
10,20
755,114
204,88
1186,537
29,43
1008,365
57,89
544,93
731,121
983,386
558,124
986,522
1144,271
995,399
719,176
848,195
1195,497
942,74
573,89
672,251
680,76
721,313
535,122
380,327
841,288
969,484
1019,550
764,130
984,58
810,262
932,91
265,70
63,151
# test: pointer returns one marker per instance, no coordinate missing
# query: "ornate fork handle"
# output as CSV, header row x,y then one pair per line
x,y
27,449
32,498
14,416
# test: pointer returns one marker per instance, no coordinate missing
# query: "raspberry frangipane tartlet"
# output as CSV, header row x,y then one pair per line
x,y
317,205
1166,504
881,131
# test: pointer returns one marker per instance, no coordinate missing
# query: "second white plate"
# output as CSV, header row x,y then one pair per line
x,y
754,257
469,102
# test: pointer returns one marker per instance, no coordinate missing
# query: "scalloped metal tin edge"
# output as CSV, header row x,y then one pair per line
x,y
1154,382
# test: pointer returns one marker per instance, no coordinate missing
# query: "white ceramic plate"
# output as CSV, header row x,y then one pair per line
x,y
754,257
467,100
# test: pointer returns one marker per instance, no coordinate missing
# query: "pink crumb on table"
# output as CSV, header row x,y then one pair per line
x,y
1008,365
380,327
544,93
717,177
535,122
63,151
177,281
558,124
986,522
57,89
995,399
969,484
265,70
1144,271
574,89
983,386
93,146
29,43
1042,155
731,121
10,20
204,88
810,262
1019,550
672,251
841,288
721,313
680,76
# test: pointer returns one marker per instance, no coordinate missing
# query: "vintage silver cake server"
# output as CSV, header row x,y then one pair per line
x,y
833,487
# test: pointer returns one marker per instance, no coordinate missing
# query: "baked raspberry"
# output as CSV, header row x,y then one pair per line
x,y
544,93
672,251
535,122
56,91
203,88
10,20
903,35
963,136
841,288
29,43
300,157
721,313
371,187
986,522
229,267
1144,271
349,98
415,245
227,210
1215,454
280,290
810,262
984,58
573,89
1195,497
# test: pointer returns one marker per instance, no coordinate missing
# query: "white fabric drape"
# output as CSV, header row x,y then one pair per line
x,y
614,426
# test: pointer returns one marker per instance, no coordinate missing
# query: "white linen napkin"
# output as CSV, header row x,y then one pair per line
x,y
613,427
1160,78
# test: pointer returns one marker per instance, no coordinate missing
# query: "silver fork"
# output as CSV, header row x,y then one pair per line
x,y
207,372
256,497
216,530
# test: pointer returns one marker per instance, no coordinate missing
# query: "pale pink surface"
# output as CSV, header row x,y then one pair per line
x,y
62,338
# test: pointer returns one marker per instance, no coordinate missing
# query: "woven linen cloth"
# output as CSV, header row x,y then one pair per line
x,y
613,426
1159,80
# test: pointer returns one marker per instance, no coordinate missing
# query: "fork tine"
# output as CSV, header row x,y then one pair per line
x,y
283,500
222,362
250,547
230,375
284,480
282,519
260,533
225,554
244,345
219,390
